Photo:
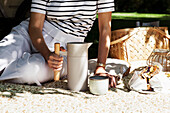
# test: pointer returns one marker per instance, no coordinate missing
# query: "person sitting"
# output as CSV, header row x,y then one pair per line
x,y
27,52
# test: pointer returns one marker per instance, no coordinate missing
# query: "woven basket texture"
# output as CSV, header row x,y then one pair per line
x,y
162,56
133,44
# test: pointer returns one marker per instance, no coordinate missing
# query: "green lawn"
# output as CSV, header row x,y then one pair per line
x,y
139,16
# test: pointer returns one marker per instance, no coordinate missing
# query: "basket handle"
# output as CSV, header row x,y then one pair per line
x,y
134,32
161,32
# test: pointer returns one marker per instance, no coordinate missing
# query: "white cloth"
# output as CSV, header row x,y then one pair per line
x,y
113,66
159,82
22,62
28,69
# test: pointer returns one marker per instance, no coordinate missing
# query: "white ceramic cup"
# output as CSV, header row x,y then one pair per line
x,y
98,85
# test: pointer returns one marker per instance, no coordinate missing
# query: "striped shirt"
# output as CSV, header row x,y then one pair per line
x,y
74,17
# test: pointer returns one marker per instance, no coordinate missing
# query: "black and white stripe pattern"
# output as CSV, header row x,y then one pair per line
x,y
74,17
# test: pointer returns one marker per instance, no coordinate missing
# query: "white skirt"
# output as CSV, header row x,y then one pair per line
x,y
22,62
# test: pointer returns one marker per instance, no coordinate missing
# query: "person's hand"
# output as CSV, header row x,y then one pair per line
x,y
112,79
100,71
55,61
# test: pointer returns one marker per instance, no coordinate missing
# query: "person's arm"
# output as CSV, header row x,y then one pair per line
x,y
104,21
35,31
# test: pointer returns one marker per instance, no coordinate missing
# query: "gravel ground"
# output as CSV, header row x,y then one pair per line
x,y
55,97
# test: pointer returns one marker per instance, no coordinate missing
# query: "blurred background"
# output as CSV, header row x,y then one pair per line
x,y
12,12
143,6
128,14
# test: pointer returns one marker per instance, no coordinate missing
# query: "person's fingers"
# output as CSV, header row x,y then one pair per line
x,y
58,69
55,57
55,66
55,62
112,81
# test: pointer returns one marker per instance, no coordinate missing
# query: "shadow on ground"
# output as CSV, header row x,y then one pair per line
x,y
10,89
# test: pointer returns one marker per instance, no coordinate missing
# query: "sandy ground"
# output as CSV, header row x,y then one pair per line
x,y
54,97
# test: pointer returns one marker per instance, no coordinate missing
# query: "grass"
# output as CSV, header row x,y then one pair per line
x,y
139,16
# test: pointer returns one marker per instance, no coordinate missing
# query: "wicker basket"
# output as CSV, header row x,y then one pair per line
x,y
162,56
134,44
